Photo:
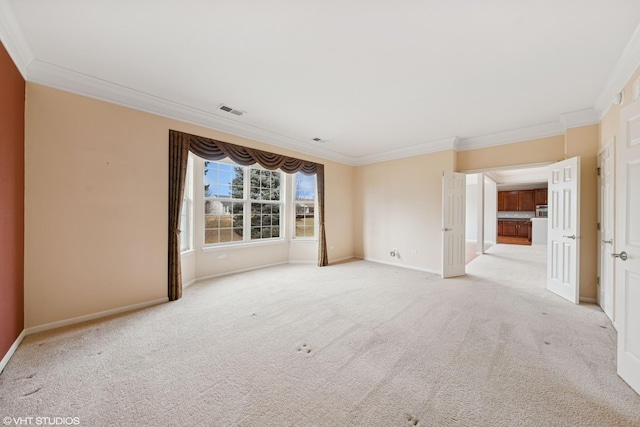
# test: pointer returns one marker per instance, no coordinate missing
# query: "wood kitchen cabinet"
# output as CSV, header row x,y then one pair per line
x,y
526,200
521,200
501,201
524,229
541,196
511,200
509,228
515,228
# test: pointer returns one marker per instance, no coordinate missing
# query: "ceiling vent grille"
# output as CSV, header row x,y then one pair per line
x,y
228,109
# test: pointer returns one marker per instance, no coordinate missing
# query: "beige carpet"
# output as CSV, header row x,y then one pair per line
x,y
354,344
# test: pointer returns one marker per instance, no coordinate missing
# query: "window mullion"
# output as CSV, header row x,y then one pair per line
x,y
246,225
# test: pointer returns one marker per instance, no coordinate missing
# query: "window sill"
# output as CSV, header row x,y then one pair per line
x,y
244,245
188,252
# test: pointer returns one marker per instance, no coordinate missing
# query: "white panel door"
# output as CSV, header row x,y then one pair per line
x,y
606,201
453,224
563,250
627,247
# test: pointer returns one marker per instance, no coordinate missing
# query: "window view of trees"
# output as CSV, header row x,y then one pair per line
x,y
265,215
229,191
305,196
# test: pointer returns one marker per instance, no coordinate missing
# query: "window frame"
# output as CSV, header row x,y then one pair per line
x,y
294,201
246,201
187,209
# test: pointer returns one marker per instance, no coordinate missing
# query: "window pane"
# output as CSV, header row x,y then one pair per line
x,y
305,195
265,220
223,221
223,181
225,198
265,185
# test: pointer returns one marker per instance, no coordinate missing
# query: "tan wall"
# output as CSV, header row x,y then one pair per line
x,y
399,205
543,150
96,206
583,142
610,123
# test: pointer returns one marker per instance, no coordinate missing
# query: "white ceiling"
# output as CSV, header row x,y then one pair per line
x,y
378,79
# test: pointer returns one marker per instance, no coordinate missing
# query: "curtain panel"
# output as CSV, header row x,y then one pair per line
x,y
181,143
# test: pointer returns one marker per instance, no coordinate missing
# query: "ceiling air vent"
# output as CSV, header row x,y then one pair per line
x,y
230,110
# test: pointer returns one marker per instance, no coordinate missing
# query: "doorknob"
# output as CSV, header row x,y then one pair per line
x,y
622,255
447,229
608,241
573,236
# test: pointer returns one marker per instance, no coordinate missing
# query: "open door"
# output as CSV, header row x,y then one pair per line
x,y
453,224
563,253
606,194
627,247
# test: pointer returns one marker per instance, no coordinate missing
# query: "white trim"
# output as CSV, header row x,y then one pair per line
x,y
82,84
93,316
13,39
229,273
302,262
507,168
416,150
511,136
410,267
41,72
189,283
579,118
217,247
347,258
627,64
589,300
12,350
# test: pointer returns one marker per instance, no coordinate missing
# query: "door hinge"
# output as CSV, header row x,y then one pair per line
x,y
598,280
598,171
598,226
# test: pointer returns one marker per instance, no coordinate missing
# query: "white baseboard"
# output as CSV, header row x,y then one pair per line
x,y
189,283
347,258
12,350
228,273
93,316
590,300
395,264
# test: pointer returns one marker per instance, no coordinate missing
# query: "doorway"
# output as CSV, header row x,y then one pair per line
x,y
505,209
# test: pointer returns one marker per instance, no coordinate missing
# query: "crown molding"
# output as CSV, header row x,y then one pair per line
x,y
627,64
67,80
510,136
416,150
579,118
13,39
47,74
